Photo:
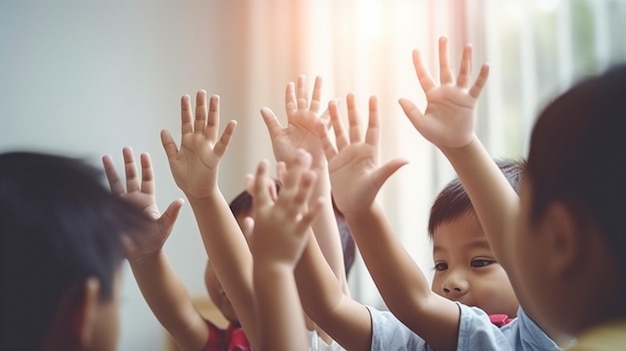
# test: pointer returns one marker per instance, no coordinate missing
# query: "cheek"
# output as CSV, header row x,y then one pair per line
x,y
436,285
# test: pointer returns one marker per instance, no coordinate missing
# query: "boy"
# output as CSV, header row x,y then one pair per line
x,y
62,234
565,255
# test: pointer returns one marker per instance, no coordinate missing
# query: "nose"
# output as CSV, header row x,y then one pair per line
x,y
455,285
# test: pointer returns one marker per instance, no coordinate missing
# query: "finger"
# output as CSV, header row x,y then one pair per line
x,y
426,81
466,67
169,145
224,141
271,122
261,196
213,120
328,146
147,174
130,169
290,99
353,120
317,96
372,135
301,93
481,80
186,123
168,218
445,72
113,178
340,136
303,192
201,112
412,112
383,173
281,171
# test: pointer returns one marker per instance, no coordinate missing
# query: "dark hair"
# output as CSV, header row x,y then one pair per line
x,y
453,201
242,203
576,155
59,226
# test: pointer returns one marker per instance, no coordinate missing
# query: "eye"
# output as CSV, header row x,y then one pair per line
x,y
478,263
441,266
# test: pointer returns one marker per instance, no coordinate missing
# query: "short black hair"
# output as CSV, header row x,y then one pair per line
x,y
242,203
453,201
59,226
576,156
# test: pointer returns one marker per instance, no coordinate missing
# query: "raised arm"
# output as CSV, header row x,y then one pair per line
x,y
303,122
161,287
448,123
356,179
195,167
281,227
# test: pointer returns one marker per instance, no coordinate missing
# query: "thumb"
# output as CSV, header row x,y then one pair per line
x,y
412,112
168,218
383,173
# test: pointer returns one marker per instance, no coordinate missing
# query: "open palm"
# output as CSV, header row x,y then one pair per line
x,y
195,165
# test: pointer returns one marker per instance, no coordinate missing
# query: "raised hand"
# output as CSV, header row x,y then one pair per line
x,y
141,193
280,223
353,164
303,121
448,121
195,165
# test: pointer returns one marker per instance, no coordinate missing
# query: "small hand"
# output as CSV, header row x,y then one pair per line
x,y
142,195
195,165
353,164
281,223
303,122
449,118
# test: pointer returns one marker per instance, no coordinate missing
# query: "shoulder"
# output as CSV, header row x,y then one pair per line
x,y
524,334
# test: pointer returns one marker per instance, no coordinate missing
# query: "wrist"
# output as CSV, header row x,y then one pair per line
x,y
147,259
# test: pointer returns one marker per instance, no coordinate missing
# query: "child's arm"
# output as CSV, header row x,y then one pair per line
x,y
163,290
195,168
281,227
448,123
303,124
356,179
344,319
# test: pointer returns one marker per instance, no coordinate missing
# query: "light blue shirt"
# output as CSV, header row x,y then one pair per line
x,y
476,332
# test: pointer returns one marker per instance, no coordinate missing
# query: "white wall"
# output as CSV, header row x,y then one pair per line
x,y
87,78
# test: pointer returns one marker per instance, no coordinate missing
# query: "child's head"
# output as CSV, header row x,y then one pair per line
x,y
465,267
62,253
570,254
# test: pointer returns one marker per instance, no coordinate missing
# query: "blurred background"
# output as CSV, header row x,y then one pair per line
x,y
86,78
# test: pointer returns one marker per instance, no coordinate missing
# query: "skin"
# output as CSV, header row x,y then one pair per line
x,y
466,269
448,123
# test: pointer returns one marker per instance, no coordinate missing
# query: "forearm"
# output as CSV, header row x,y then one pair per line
x,y
326,231
401,283
170,302
493,198
228,251
345,320
281,320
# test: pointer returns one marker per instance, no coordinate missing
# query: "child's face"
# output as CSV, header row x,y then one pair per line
x,y
106,327
466,269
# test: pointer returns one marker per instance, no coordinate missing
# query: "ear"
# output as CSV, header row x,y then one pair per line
x,y
564,238
83,315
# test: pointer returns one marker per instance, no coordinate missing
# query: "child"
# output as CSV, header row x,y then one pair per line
x,y
62,234
281,227
163,290
439,323
195,167
565,255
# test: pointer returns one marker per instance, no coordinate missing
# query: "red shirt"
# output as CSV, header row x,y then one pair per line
x,y
500,320
229,339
